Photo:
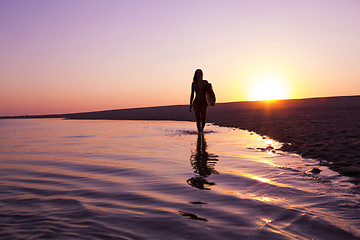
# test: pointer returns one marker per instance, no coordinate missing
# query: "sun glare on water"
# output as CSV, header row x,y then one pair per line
x,y
268,88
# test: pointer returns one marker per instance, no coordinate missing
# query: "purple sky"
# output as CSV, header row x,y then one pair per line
x,y
70,56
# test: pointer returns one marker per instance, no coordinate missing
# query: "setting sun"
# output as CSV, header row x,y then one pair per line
x,y
268,88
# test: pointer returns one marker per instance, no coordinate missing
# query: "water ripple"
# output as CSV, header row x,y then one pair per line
x,y
163,182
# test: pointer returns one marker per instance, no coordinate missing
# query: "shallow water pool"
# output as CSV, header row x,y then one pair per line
x,y
90,179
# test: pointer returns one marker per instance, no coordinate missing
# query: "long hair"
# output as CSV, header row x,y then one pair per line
x,y
198,75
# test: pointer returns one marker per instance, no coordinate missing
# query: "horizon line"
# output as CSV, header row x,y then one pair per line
x,y
159,106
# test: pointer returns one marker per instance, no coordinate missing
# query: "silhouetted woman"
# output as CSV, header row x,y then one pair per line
x,y
199,104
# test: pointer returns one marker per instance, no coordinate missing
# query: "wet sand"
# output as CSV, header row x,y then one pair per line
x,y
327,129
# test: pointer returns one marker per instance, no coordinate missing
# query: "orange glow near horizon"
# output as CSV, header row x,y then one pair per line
x,y
268,87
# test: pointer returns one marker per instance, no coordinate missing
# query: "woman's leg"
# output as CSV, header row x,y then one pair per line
x,y
203,117
197,111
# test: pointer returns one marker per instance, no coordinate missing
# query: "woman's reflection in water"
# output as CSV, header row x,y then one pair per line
x,y
203,164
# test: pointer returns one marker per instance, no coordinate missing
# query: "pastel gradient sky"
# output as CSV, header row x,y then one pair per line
x,y
85,55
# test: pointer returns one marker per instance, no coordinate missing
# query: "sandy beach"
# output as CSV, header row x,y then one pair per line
x,y
326,129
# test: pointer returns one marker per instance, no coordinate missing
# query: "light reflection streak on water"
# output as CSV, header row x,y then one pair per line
x,y
269,162
264,199
254,197
264,180
266,220
257,178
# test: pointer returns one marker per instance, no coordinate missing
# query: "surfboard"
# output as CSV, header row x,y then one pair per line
x,y
210,95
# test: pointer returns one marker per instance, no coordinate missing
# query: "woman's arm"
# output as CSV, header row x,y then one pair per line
x,y
191,96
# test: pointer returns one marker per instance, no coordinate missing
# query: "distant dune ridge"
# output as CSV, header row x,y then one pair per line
x,y
327,129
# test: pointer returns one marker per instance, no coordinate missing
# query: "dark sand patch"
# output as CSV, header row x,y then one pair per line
x,y
327,129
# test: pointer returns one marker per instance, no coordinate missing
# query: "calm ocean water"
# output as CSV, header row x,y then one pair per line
x,y
80,179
